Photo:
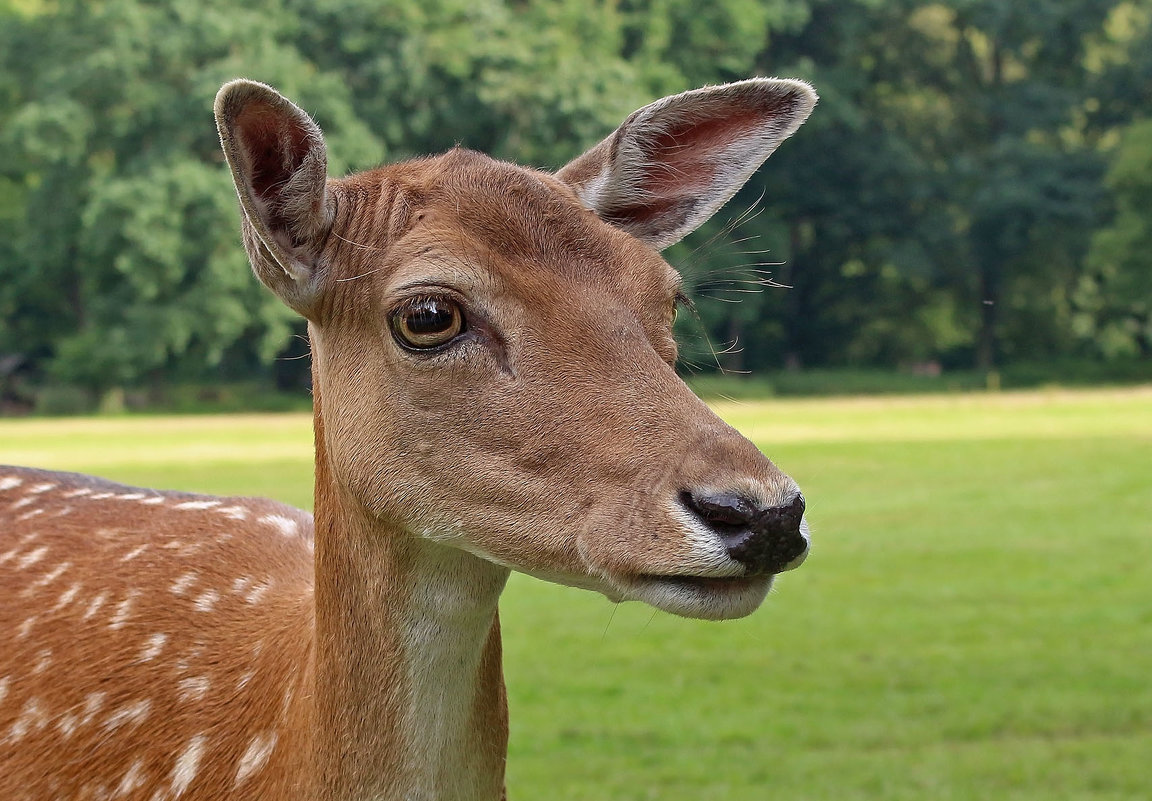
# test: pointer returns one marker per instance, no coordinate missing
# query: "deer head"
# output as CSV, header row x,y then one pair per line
x,y
493,345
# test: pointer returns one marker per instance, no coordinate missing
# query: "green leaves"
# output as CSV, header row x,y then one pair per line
x,y
1114,297
124,256
161,279
946,202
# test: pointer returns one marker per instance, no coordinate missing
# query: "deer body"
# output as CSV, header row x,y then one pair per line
x,y
142,629
493,386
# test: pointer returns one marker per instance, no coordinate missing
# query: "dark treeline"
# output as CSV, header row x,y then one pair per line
x,y
972,191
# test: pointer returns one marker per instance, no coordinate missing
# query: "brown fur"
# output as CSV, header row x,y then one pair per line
x,y
193,684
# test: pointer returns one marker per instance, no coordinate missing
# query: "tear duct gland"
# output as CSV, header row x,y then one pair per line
x,y
492,357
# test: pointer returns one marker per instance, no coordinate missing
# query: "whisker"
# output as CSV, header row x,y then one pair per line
x,y
304,355
356,244
693,257
705,291
611,617
355,277
732,347
735,222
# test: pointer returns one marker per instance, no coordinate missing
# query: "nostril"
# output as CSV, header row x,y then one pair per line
x,y
784,519
721,510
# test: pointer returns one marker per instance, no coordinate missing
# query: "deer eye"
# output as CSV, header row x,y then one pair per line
x,y
427,323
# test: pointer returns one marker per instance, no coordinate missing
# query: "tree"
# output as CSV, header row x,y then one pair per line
x,y
1115,295
125,255
940,204
946,184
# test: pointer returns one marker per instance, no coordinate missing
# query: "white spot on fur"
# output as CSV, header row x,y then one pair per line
x,y
187,764
95,605
31,558
181,585
123,611
154,647
26,626
48,577
93,702
97,792
39,488
255,757
4,688
234,512
131,496
197,505
132,554
257,592
132,779
184,663
99,496
30,515
207,600
67,596
10,482
243,682
133,714
43,660
69,722
63,510
194,688
286,525
22,503
76,493
152,500
4,557
240,584
31,717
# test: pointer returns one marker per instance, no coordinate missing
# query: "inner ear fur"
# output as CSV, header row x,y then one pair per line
x,y
672,164
279,165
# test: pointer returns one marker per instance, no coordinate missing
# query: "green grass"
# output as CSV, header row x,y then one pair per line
x,y
840,381
975,621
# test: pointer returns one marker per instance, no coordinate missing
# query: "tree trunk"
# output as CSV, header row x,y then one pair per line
x,y
793,334
986,342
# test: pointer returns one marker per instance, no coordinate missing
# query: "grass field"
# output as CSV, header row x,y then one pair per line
x,y
975,621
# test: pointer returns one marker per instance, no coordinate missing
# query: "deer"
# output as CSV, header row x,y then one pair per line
x,y
494,389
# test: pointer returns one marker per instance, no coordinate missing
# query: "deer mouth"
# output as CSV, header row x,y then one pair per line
x,y
704,597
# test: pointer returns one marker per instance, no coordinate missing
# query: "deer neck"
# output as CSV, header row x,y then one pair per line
x,y
409,690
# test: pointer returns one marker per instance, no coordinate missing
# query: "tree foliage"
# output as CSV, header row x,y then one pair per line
x,y
972,189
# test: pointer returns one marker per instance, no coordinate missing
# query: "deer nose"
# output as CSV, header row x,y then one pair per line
x,y
763,539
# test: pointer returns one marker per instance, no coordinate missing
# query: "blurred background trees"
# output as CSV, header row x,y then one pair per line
x,y
973,191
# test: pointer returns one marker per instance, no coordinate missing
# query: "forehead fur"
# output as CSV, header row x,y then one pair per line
x,y
523,216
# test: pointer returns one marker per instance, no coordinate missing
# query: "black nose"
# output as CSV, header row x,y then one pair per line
x,y
763,539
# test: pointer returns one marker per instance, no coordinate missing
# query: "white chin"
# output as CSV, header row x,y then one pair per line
x,y
704,598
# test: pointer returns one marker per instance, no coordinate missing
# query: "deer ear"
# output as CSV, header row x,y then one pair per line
x,y
279,165
674,163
